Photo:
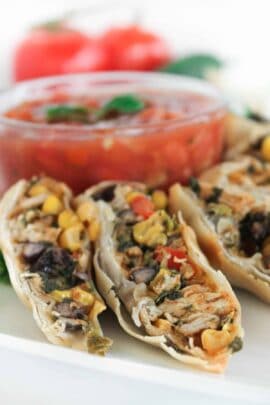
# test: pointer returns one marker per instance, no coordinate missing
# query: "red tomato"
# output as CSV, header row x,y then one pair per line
x,y
173,254
142,206
132,48
45,51
91,57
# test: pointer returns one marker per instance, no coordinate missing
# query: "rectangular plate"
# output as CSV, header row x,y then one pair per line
x,y
247,377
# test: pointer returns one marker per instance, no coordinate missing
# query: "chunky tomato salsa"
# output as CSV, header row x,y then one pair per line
x,y
153,136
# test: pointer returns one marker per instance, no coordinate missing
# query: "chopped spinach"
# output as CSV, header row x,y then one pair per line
x,y
214,196
195,185
170,295
236,344
4,277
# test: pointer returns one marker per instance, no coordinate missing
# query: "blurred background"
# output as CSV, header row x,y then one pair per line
x,y
235,31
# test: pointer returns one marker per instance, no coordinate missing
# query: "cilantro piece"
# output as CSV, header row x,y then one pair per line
x,y
197,65
123,104
67,113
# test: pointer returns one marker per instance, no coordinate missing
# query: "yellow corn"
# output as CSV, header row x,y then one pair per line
x,y
60,295
94,230
37,189
97,308
52,205
159,199
87,211
215,340
82,296
71,238
163,325
67,218
131,195
151,232
265,148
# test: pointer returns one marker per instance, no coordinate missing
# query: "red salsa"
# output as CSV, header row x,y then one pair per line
x,y
158,137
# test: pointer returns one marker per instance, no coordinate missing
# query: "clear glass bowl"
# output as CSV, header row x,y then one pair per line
x,y
157,153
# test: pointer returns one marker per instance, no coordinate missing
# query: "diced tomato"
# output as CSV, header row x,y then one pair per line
x,y
132,48
142,206
45,50
173,256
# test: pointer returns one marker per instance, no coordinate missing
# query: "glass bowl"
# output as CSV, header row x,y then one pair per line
x,y
158,153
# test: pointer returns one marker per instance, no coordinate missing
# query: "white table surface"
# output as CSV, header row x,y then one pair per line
x,y
238,29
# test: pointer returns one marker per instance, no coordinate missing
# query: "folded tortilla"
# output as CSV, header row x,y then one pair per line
x,y
151,272
232,224
243,136
48,255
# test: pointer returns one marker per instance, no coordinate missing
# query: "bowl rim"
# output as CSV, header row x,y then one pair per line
x,y
192,85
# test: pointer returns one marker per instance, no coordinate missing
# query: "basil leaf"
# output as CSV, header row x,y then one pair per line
x,y
236,344
4,278
123,104
194,65
67,113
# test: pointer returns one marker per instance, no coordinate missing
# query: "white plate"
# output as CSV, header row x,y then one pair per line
x,y
247,377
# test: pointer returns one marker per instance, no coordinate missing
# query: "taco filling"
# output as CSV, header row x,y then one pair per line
x,y
52,246
166,284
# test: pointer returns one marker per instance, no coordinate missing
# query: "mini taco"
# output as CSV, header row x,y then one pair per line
x,y
232,225
48,255
151,272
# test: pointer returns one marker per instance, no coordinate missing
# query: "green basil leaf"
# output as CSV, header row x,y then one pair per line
x,y
67,113
197,65
123,104
4,278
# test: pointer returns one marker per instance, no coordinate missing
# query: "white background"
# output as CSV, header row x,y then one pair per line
x,y
238,31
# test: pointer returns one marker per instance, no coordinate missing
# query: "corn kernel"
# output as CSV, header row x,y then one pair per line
x,y
52,205
37,189
60,295
130,196
159,199
82,296
97,308
87,211
94,230
215,340
71,238
163,324
265,148
67,218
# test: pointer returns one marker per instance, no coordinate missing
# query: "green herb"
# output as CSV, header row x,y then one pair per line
x,y
214,197
4,278
195,185
123,104
67,113
170,295
236,344
194,65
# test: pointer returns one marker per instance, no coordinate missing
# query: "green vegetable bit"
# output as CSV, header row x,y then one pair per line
x,y
67,113
197,65
236,344
4,277
123,104
194,185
